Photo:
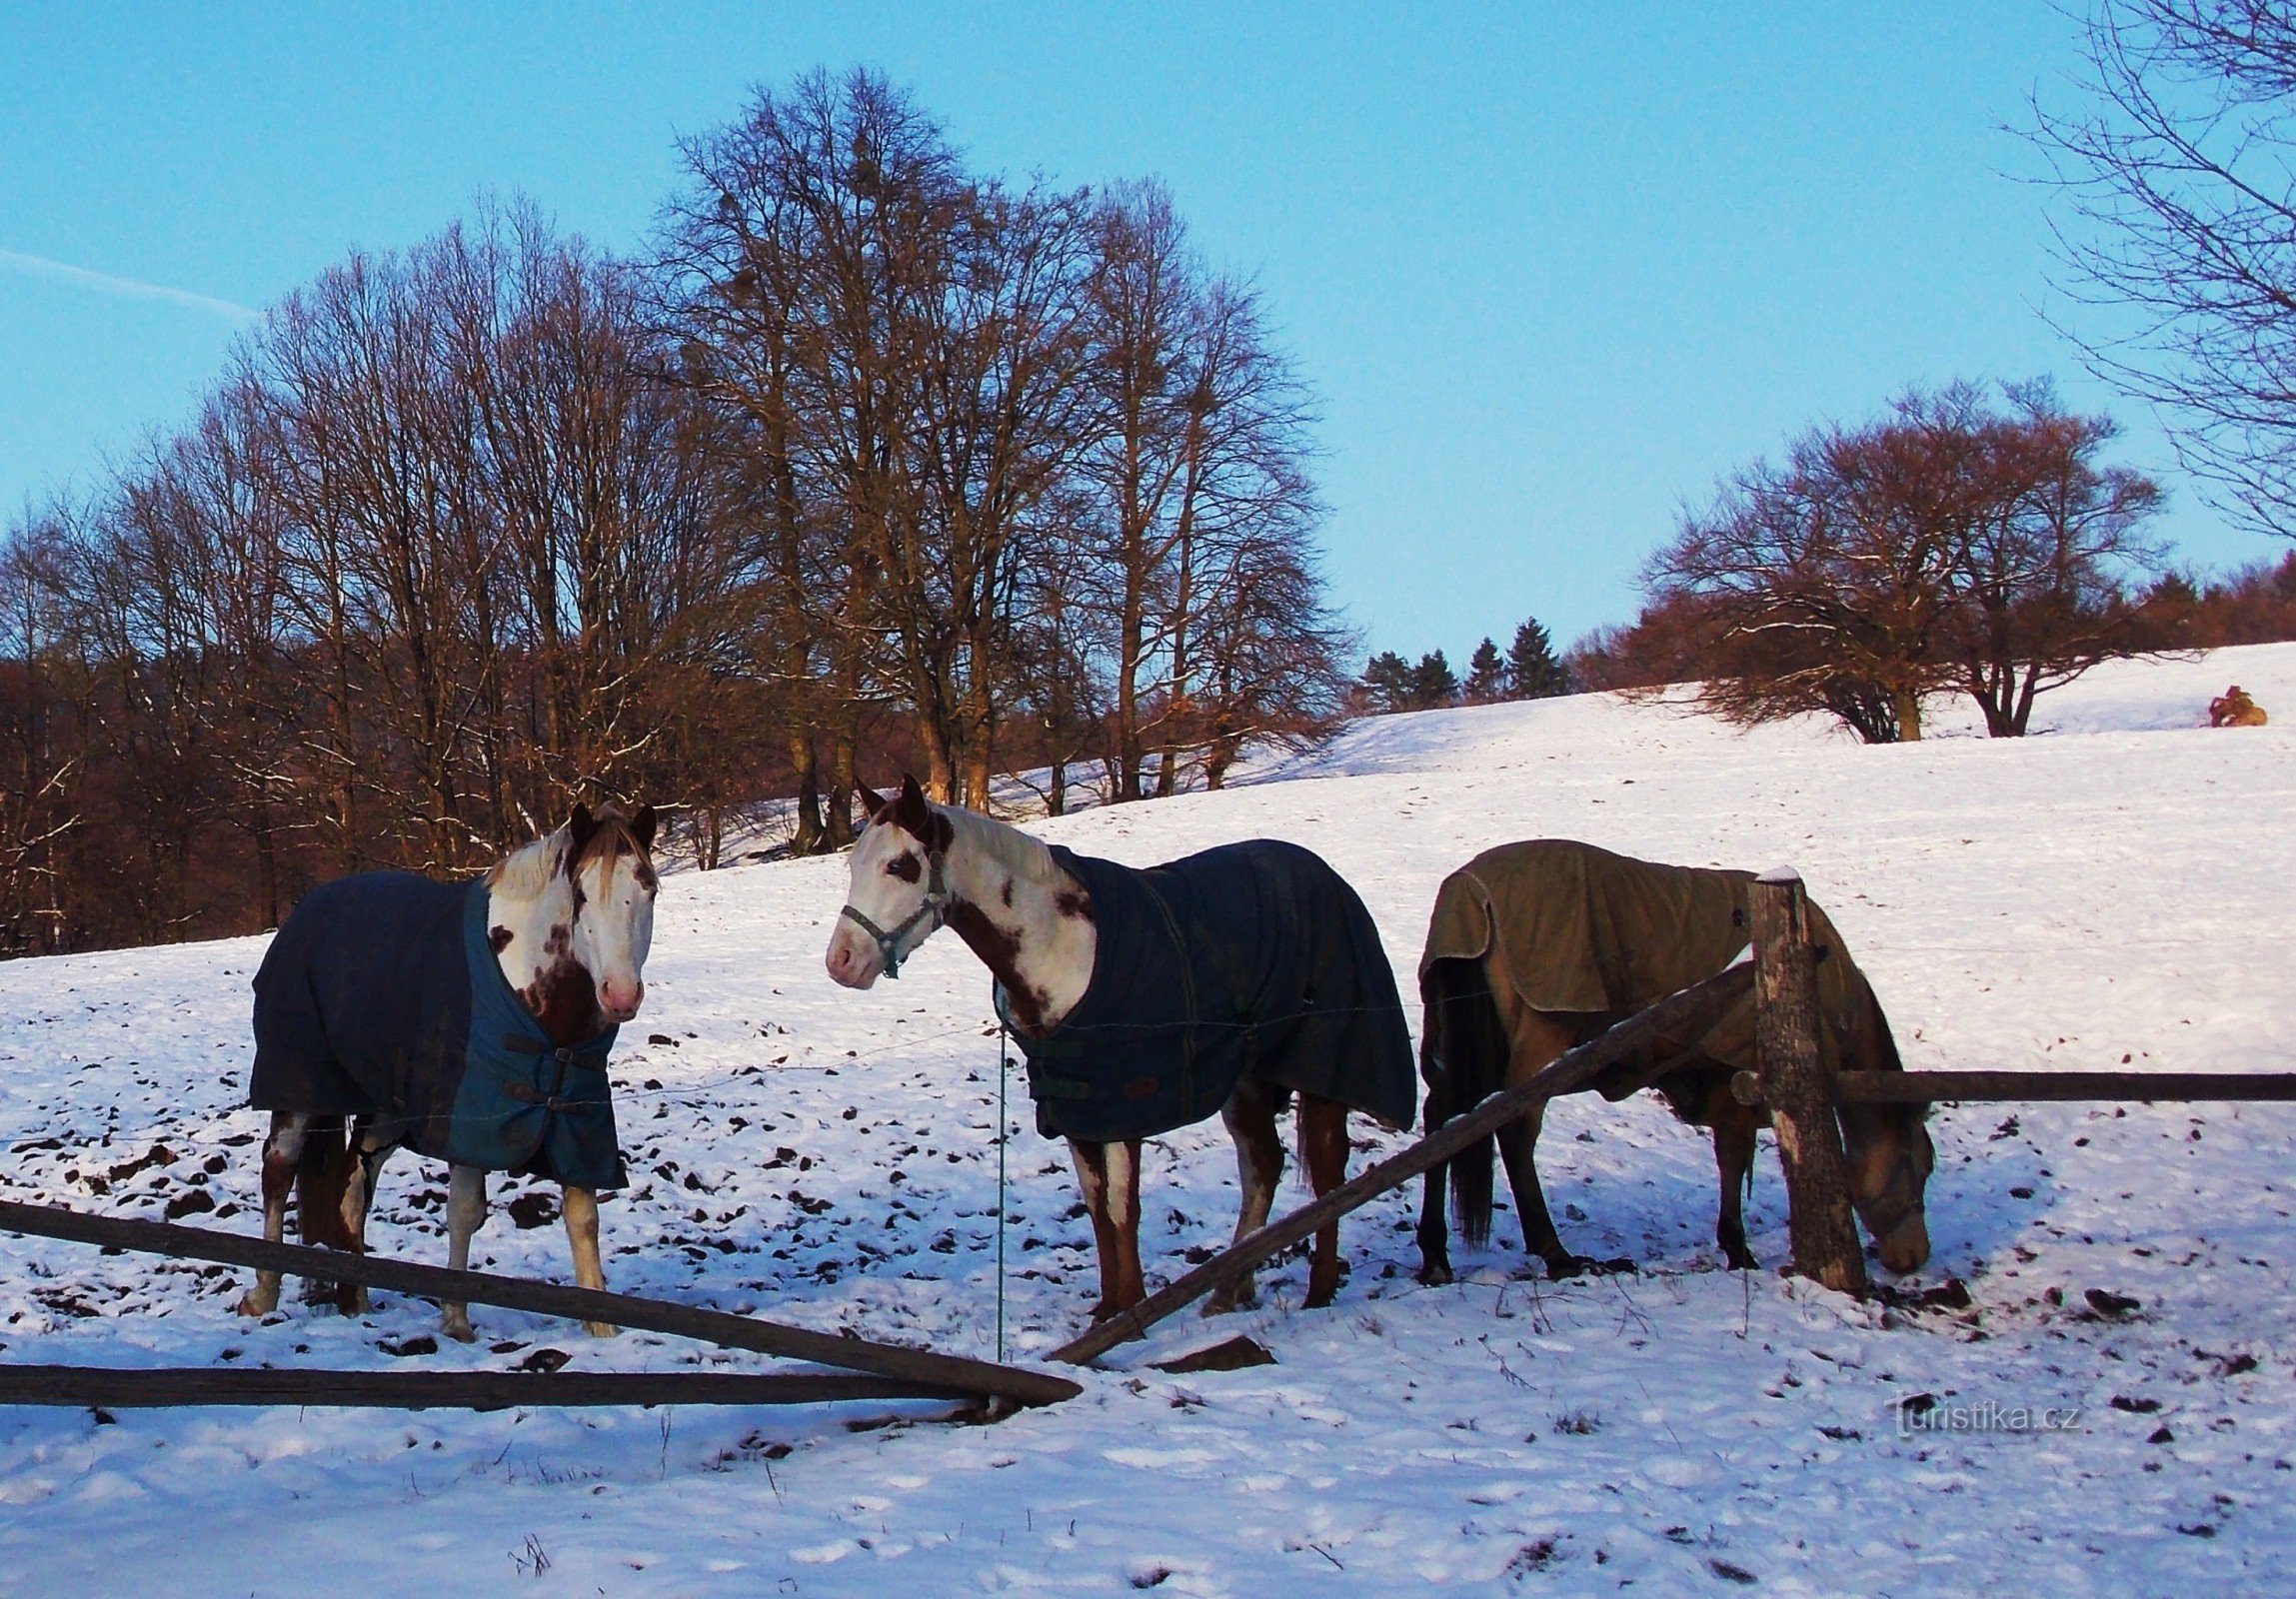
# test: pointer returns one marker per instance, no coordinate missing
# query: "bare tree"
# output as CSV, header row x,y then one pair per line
x,y
2182,226
1835,568
2042,588
1949,546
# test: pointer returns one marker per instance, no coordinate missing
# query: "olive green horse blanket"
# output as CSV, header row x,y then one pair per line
x,y
1595,936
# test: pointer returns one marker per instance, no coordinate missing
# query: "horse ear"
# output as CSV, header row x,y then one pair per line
x,y
871,802
579,827
910,811
642,827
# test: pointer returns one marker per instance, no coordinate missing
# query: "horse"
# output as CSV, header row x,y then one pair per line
x,y
2233,709
1598,937
1144,1000
469,1020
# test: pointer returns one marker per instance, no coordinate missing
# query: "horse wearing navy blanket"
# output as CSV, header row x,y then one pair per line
x,y
1145,1000
469,1020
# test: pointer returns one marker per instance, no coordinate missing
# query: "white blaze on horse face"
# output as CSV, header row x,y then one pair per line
x,y
888,885
614,929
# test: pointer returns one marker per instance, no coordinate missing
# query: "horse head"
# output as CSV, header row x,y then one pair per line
x,y
1890,1159
898,889
609,862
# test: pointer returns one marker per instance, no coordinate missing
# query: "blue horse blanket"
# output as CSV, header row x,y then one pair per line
x,y
1253,959
381,997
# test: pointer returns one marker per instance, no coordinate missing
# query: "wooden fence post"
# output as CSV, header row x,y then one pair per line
x,y
1793,1085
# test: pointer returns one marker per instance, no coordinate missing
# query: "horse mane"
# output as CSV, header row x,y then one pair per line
x,y
1023,854
526,871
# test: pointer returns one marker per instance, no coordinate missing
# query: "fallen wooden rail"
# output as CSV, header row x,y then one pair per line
x,y
943,1373
423,1390
1919,1087
1568,1074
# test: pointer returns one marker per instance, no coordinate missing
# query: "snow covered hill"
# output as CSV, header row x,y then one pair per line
x,y
2115,889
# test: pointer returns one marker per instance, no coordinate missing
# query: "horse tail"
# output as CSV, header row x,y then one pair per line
x,y
322,1177
1466,1050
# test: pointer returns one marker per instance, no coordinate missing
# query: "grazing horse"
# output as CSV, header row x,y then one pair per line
x,y
469,1020
2233,709
1534,949
1146,1000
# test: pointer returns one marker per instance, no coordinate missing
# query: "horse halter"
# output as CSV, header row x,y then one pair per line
x,y
936,898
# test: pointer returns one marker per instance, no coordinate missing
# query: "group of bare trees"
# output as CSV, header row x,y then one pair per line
x,y
1023,466
1954,546
871,459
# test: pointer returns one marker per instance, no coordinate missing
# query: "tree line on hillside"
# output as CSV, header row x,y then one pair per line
x,y
1529,669
872,460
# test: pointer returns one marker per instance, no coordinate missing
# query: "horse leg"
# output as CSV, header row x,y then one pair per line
x,y
1324,1151
282,1158
1125,1219
1733,1161
1435,1230
1517,1146
1092,1164
1250,1117
1534,1040
465,1208
368,1152
580,1208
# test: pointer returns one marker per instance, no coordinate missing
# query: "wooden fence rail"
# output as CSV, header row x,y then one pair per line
x,y
1917,1087
144,1389
938,1372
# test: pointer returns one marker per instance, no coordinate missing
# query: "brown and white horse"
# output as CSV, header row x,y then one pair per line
x,y
569,919
919,865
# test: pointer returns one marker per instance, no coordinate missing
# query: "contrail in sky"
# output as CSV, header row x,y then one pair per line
x,y
131,288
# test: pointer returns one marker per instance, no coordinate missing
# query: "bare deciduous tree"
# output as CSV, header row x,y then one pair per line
x,y
2181,229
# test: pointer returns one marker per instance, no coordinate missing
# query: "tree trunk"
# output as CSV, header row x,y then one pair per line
x,y
808,835
1908,703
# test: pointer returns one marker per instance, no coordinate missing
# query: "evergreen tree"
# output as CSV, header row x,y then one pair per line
x,y
1534,671
1433,685
1387,680
1486,674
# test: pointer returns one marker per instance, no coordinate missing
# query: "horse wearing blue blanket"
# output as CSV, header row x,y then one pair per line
x,y
1147,999
470,1021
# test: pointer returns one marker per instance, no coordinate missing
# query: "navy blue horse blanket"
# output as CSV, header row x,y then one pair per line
x,y
381,997
1253,959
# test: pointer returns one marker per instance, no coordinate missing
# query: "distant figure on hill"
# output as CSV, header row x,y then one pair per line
x,y
2233,709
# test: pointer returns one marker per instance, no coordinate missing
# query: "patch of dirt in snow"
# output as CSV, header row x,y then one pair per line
x,y
2110,893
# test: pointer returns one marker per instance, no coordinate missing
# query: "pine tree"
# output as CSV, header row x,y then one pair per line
x,y
1387,680
1532,671
1486,674
1433,685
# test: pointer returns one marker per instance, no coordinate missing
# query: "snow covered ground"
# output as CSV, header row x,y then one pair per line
x,y
2117,889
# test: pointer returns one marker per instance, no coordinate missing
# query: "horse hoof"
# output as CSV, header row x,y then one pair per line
x,y
1564,1268
599,1330
1618,1266
1436,1275
257,1304
1743,1260
461,1332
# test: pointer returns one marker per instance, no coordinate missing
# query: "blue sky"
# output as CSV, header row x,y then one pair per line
x,y
1550,272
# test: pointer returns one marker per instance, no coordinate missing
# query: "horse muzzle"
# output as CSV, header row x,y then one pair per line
x,y
851,964
1906,1247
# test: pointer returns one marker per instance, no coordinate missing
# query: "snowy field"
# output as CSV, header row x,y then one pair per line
x,y
2118,890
